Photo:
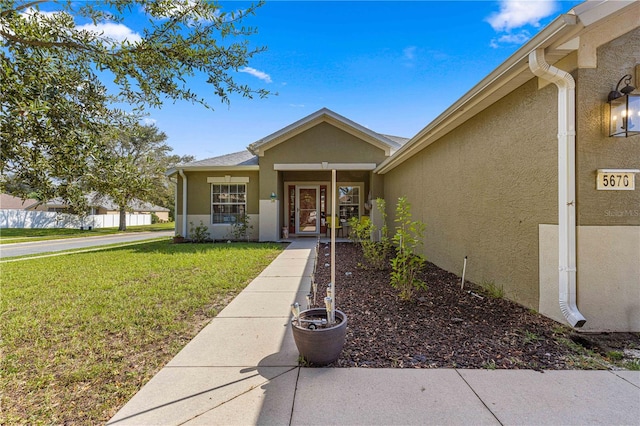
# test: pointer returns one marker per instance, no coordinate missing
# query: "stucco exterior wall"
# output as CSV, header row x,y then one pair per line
x,y
608,275
199,201
199,191
595,149
483,189
321,143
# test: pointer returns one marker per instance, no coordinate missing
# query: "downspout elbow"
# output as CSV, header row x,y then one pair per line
x,y
567,270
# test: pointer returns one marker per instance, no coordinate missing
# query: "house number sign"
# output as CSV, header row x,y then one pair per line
x,y
616,179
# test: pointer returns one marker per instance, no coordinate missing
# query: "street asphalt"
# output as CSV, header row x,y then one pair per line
x,y
47,246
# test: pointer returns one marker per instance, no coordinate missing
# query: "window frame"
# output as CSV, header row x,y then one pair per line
x,y
242,206
357,205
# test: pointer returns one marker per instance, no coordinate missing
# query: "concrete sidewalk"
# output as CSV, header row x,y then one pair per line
x,y
242,369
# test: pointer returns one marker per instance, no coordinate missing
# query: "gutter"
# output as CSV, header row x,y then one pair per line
x,y
184,202
567,268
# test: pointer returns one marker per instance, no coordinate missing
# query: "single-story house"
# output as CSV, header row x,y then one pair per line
x,y
102,204
9,202
515,175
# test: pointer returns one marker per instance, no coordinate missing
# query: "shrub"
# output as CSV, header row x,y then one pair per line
x,y
362,230
199,234
407,264
240,228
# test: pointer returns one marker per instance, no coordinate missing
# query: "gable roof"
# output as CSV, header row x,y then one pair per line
x,y
559,39
388,144
15,203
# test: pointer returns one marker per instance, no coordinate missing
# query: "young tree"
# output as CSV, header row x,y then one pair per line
x,y
55,57
132,166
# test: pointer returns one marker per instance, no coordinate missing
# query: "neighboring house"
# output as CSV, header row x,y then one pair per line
x,y
101,204
10,202
506,176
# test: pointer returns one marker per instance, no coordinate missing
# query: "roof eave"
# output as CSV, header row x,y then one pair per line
x,y
175,170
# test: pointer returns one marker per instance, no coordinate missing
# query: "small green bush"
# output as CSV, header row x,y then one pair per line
x,y
199,234
407,264
362,230
240,228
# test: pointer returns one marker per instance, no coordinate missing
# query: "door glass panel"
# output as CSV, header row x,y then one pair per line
x,y
308,210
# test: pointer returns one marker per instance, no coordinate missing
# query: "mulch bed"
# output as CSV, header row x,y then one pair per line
x,y
441,327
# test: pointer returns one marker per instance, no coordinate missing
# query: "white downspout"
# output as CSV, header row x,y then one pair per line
x,y
184,202
566,184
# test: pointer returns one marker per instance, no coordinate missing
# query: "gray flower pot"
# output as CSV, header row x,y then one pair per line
x,y
321,346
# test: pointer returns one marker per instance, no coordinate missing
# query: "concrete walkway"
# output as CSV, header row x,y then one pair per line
x,y
242,369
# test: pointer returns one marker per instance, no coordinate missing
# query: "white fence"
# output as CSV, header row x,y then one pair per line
x,y
35,219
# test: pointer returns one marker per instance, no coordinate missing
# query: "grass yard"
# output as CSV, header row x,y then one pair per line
x,y
19,235
82,333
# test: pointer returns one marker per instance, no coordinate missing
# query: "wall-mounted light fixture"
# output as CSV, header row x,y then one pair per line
x,y
624,110
273,197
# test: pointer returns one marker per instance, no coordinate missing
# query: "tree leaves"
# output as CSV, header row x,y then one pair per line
x,y
55,106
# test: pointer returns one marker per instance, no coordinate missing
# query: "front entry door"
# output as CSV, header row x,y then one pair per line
x,y
307,212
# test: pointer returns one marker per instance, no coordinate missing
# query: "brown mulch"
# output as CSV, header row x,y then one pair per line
x,y
445,326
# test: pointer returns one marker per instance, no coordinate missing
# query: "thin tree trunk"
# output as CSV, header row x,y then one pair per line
x,y
123,219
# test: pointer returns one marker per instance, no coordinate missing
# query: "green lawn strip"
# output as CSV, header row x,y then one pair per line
x,y
82,333
20,235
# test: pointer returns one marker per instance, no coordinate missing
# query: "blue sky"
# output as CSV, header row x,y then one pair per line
x,y
390,66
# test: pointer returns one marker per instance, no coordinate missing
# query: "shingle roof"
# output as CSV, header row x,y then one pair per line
x,y
397,139
242,158
15,203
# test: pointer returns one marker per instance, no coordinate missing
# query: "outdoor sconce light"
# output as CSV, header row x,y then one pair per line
x,y
624,109
273,197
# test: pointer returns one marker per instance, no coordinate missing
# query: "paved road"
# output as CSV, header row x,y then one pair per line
x,y
36,247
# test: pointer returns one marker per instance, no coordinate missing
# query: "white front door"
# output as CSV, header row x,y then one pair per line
x,y
307,209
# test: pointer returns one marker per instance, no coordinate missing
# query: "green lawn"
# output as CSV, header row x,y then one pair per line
x,y
18,235
82,333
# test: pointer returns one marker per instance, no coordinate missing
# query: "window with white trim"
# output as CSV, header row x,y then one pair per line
x,y
349,202
228,202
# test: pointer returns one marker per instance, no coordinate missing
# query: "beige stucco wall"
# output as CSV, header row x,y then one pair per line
x,y
321,143
199,201
608,275
595,149
483,189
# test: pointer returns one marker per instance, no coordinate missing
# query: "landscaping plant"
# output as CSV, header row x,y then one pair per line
x,y
199,234
241,227
362,232
407,263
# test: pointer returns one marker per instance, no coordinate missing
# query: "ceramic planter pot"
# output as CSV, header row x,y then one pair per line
x,y
321,346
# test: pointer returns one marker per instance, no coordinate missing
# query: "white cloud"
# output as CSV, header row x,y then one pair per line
x,y
409,52
518,38
116,32
148,121
518,13
256,73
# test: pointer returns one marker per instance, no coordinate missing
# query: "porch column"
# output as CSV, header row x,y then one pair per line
x,y
269,220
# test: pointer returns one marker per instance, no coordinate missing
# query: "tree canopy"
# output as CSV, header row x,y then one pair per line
x,y
132,166
56,60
